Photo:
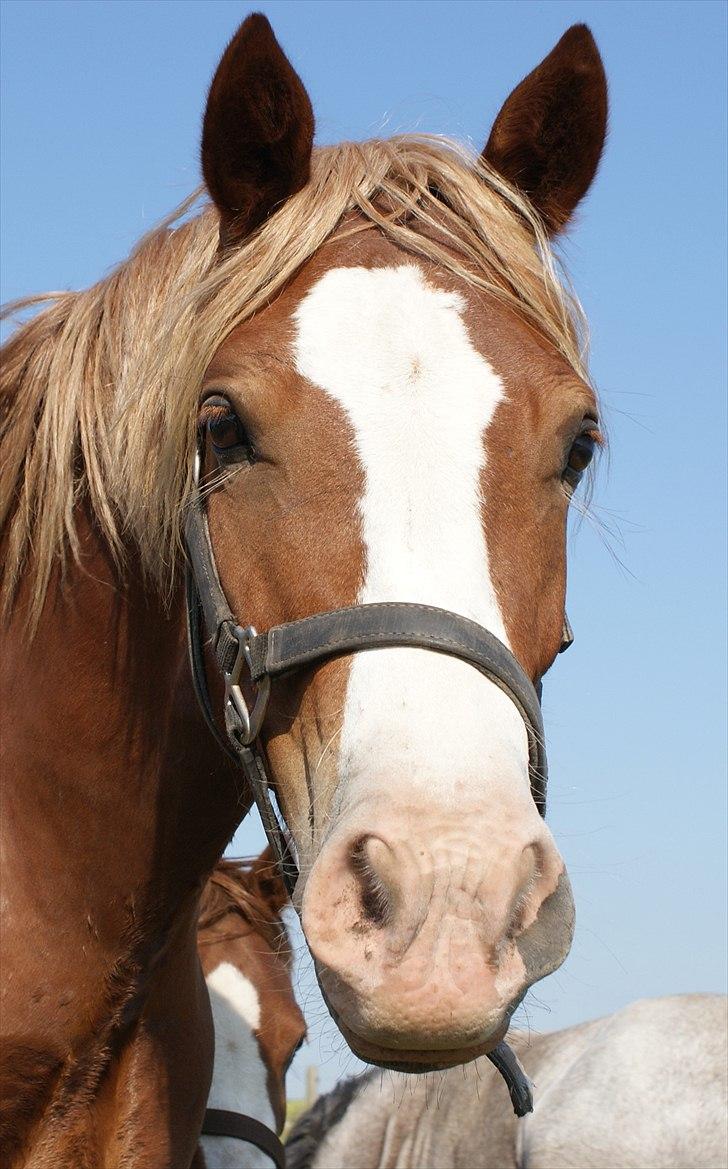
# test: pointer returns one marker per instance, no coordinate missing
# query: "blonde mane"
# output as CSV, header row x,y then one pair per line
x,y
100,389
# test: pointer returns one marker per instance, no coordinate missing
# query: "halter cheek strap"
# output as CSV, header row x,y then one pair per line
x,y
250,761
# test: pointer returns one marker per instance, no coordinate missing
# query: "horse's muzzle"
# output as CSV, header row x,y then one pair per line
x,y
425,942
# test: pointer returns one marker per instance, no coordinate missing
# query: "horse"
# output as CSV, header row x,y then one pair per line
x,y
246,960
354,385
644,1088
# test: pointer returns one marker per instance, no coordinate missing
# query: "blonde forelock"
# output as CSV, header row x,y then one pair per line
x,y
99,391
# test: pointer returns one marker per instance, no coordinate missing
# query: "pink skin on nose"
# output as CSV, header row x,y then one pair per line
x,y
425,928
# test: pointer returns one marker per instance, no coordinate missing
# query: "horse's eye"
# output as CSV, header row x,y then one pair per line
x,y
581,454
226,431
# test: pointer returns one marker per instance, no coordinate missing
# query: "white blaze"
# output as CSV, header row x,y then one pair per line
x,y
239,1075
394,352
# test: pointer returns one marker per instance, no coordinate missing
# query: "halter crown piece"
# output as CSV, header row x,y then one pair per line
x,y
250,661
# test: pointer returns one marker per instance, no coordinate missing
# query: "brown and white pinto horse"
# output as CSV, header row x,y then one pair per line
x,y
246,959
389,377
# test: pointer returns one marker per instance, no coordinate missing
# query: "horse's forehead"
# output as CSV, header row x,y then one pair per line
x,y
388,340
362,301
364,293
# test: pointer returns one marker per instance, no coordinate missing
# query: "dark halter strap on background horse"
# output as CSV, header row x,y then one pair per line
x,y
249,660
219,1122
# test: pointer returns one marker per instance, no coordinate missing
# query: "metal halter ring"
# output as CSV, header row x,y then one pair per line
x,y
243,722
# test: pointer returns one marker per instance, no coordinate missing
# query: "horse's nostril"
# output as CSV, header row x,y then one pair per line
x,y
527,874
374,894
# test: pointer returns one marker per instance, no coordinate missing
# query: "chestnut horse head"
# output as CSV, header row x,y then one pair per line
x,y
403,419
388,379
246,959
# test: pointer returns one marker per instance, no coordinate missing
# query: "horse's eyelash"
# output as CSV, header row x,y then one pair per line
x,y
213,412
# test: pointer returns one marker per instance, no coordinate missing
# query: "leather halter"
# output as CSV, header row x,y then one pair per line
x,y
254,660
247,658
219,1122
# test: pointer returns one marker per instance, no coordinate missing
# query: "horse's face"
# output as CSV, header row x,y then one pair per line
x,y
258,1027
394,435
258,1023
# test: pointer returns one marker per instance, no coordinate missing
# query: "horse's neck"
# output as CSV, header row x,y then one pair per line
x,y
107,744
116,805
240,1076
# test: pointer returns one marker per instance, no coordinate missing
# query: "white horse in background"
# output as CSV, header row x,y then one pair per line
x,y
644,1088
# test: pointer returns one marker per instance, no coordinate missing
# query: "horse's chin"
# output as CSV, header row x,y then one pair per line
x,y
416,1060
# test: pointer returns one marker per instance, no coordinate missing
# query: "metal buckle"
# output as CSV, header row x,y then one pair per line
x,y
249,722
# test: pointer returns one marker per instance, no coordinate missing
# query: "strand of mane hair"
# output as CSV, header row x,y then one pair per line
x,y
252,890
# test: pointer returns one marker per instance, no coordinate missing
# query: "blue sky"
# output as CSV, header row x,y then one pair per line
x,y
101,109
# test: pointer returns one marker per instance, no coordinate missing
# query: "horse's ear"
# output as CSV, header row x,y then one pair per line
x,y
257,135
548,138
265,874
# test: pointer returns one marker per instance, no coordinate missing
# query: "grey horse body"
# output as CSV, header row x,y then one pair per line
x,y
644,1088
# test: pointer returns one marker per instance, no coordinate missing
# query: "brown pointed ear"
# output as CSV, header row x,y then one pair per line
x,y
548,138
264,875
257,135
